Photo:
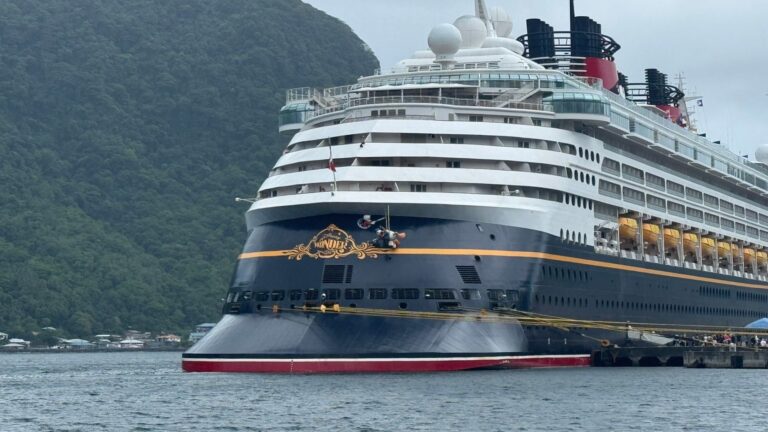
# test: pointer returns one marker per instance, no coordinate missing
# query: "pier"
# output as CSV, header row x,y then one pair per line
x,y
682,356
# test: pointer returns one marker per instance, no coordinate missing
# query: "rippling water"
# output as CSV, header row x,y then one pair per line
x,y
140,391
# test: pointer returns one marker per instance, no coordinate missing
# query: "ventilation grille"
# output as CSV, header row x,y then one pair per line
x,y
468,274
333,274
336,274
348,278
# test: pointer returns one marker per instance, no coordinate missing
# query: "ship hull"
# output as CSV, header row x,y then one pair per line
x,y
537,272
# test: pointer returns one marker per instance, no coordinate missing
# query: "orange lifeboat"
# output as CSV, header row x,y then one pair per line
x,y
690,242
762,258
723,249
707,246
651,233
627,228
671,238
749,255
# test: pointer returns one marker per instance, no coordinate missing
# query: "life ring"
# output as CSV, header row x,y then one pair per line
x,y
605,343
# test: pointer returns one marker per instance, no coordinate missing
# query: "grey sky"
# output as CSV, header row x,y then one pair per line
x,y
721,47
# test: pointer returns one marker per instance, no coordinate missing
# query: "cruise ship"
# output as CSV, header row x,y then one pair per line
x,y
448,213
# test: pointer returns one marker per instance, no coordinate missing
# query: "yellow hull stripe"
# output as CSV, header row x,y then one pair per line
x,y
527,254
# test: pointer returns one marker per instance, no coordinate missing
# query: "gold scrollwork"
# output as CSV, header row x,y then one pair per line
x,y
333,242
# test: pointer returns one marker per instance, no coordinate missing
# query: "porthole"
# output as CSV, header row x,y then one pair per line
x,y
477,258
492,236
581,152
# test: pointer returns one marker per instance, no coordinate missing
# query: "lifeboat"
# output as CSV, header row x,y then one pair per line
x,y
723,249
762,258
671,238
651,233
627,228
707,246
690,242
749,255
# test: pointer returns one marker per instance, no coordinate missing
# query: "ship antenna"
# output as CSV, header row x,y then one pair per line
x,y
573,14
481,11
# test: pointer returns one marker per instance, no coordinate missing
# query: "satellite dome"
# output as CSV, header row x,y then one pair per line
x,y
444,40
501,20
761,154
473,31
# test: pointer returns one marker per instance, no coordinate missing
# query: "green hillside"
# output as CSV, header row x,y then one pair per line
x,y
126,130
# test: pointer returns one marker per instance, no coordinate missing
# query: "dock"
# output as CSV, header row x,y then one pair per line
x,y
681,356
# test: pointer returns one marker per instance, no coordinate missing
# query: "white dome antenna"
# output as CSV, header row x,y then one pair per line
x,y
473,31
501,21
761,154
445,40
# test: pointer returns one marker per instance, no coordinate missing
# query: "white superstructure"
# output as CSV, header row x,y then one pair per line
x,y
473,130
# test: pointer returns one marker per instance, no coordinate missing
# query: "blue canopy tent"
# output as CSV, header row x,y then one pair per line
x,y
762,323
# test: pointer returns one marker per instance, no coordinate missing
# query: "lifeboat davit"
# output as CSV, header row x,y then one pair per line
x,y
723,249
762,258
707,246
690,242
651,233
627,228
671,238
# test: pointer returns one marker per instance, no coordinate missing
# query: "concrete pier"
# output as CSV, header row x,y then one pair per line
x,y
727,359
690,357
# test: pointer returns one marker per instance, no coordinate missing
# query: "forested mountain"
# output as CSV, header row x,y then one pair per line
x,y
126,130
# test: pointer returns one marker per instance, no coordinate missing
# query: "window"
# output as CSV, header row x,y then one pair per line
x,y
727,224
753,232
693,194
312,294
763,219
475,118
751,215
611,166
261,296
633,195
676,189
740,227
470,294
656,203
377,294
405,293
739,211
713,220
418,187
278,295
457,140
353,293
726,206
654,181
695,214
632,173
676,208
711,201
439,294
496,294
380,162
511,120
523,144
610,189
453,164
332,294
295,294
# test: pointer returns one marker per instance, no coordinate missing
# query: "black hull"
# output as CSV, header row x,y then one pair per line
x,y
537,273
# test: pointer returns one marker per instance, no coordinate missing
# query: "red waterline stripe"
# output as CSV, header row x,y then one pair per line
x,y
380,365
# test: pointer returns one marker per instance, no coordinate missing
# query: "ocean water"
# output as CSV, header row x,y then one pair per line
x,y
140,391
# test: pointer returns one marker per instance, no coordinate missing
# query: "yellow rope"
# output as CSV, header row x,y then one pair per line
x,y
529,318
